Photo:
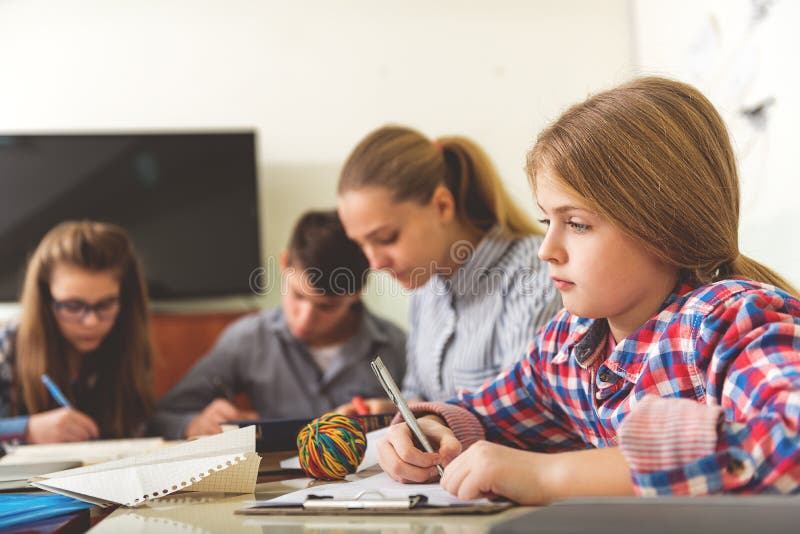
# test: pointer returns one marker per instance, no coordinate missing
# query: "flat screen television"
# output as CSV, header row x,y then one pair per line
x,y
188,200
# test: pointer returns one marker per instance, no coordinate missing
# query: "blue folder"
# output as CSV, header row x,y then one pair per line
x,y
20,508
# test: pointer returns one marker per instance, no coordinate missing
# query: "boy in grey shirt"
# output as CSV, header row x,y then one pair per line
x,y
299,360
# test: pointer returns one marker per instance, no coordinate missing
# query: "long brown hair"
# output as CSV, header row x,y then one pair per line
x,y
122,394
411,166
654,157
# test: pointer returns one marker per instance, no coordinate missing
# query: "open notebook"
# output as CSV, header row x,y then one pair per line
x,y
226,462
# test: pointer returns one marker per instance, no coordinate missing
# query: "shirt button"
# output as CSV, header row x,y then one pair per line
x,y
605,376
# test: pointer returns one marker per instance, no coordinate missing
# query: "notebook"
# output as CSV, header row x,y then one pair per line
x,y
225,462
85,452
15,477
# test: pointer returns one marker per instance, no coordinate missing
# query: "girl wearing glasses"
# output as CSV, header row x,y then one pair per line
x,y
84,324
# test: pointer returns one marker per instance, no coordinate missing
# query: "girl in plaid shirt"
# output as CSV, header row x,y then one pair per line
x,y
674,367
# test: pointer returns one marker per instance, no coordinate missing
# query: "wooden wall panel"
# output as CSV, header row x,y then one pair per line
x,y
180,339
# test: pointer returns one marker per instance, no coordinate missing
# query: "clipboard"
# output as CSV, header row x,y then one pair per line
x,y
370,503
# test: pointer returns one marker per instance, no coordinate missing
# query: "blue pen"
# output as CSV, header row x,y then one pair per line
x,y
55,392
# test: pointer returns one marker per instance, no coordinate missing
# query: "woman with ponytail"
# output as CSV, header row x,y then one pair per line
x,y
435,215
674,368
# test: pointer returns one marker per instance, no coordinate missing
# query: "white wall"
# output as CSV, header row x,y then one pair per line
x,y
740,56
312,77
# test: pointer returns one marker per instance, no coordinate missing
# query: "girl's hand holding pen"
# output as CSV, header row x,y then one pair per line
x,y
402,460
60,425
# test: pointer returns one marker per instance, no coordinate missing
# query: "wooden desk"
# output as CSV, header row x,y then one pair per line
x,y
213,512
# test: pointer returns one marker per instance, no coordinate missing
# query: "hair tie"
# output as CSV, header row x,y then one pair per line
x,y
437,145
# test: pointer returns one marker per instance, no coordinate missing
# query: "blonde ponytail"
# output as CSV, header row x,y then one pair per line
x,y
410,166
482,199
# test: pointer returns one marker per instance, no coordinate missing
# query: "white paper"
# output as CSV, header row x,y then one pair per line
x,y
437,495
224,462
370,455
86,452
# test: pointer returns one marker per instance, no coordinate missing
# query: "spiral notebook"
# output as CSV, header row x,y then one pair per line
x,y
226,462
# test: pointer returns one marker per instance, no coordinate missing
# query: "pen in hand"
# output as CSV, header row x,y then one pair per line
x,y
393,392
56,393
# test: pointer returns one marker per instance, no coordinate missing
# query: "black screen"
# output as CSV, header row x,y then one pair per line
x,y
188,201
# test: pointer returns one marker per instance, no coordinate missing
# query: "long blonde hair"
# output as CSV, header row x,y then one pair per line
x,y
654,157
411,166
123,389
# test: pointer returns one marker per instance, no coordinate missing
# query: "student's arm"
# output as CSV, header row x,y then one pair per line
x,y
13,428
60,425
51,426
515,409
199,389
491,470
744,438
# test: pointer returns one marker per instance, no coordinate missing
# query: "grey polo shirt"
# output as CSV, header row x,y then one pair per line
x,y
259,356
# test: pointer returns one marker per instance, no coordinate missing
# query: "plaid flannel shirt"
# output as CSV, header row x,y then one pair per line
x,y
703,398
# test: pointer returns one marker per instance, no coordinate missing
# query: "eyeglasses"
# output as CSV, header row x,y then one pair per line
x,y
75,311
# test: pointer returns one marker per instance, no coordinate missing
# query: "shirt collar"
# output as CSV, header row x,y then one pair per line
x,y
368,328
588,340
477,262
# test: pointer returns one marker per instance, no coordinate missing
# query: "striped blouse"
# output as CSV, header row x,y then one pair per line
x,y
466,328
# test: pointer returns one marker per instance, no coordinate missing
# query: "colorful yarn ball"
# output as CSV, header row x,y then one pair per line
x,y
331,446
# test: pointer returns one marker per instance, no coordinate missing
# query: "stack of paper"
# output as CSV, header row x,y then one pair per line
x,y
226,462
85,452
17,476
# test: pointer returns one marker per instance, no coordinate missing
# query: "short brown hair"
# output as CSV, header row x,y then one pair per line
x,y
653,156
319,245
